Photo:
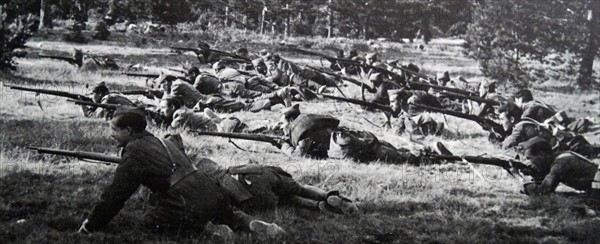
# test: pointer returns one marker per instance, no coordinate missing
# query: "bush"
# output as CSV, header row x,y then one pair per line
x,y
14,32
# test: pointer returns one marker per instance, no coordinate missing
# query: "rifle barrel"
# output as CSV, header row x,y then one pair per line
x,y
382,107
243,136
78,154
473,98
49,92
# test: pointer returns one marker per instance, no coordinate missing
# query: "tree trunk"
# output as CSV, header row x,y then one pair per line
x,y
586,69
262,20
42,15
286,31
226,15
329,19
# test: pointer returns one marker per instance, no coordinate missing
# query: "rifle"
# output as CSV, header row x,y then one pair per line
x,y
381,107
509,165
51,92
351,80
153,76
473,98
244,136
398,78
197,51
78,154
486,124
139,92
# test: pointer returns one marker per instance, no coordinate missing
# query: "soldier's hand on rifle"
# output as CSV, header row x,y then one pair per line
x,y
278,142
154,94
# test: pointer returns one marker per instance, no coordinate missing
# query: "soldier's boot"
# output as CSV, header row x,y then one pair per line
x,y
265,229
440,149
340,205
314,193
219,230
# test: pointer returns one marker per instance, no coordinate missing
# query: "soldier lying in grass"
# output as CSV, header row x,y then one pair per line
x,y
569,168
254,187
310,135
183,198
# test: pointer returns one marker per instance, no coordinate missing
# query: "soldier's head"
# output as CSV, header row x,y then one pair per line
x,y
242,51
538,153
126,124
371,58
397,98
289,115
445,78
522,97
353,53
169,104
165,82
99,91
218,66
259,65
340,54
486,87
192,73
509,114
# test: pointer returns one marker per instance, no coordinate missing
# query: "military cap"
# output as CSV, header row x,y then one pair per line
x,y
100,88
371,56
164,78
460,78
396,93
293,111
241,50
445,77
203,45
263,52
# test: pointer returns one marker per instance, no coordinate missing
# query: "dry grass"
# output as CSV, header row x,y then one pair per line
x,y
44,198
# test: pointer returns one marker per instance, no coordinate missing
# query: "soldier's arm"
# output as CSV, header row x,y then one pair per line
x,y
513,139
124,184
551,180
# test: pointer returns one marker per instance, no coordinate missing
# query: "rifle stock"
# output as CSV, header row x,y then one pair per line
x,y
50,92
243,136
78,154
381,107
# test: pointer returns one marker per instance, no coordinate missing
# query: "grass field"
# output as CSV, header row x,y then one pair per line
x,y
45,198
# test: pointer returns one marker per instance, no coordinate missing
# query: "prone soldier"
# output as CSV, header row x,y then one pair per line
x,y
184,198
310,135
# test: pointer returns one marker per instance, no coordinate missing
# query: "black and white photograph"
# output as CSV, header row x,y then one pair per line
x,y
300,121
